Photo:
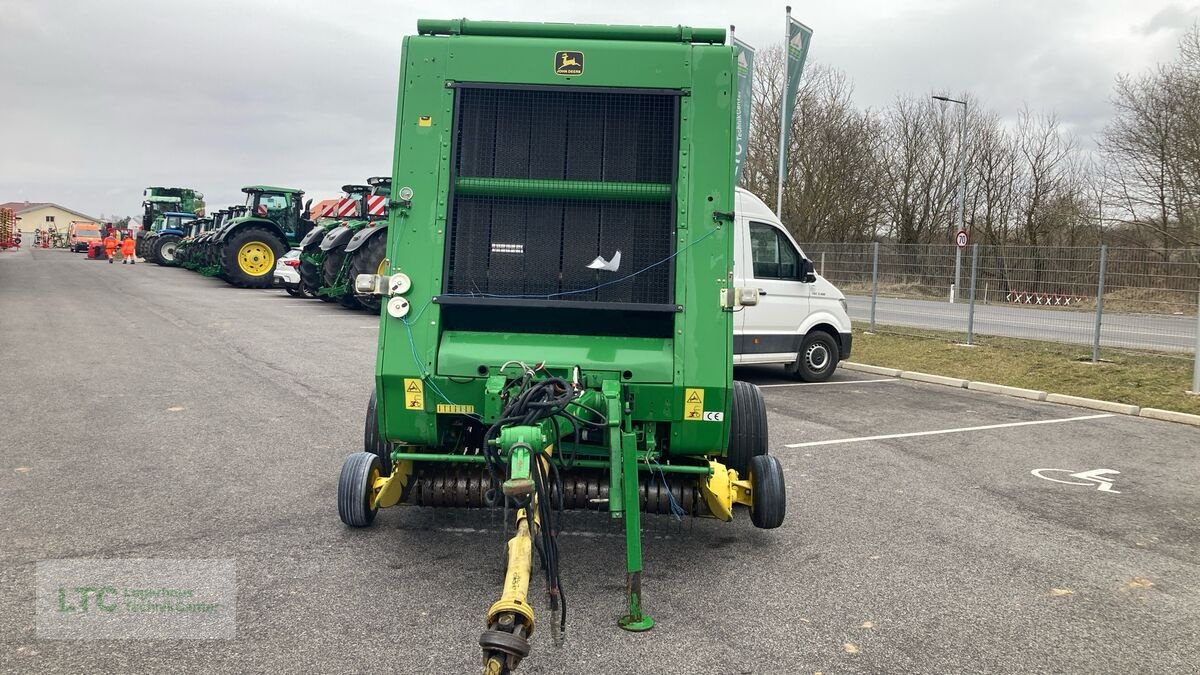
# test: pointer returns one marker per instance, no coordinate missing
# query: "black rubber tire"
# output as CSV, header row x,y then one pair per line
x,y
366,260
355,489
163,254
747,427
330,266
817,359
373,442
294,291
228,255
767,492
311,279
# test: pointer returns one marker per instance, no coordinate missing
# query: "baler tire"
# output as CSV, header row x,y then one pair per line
x,y
368,260
747,427
232,272
373,442
356,489
767,493
819,347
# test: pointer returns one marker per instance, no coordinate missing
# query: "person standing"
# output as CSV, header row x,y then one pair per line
x,y
110,246
128,248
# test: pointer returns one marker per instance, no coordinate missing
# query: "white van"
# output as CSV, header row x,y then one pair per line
x,y
800,320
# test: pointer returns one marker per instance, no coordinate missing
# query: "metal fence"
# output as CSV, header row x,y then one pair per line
x,y
1121,298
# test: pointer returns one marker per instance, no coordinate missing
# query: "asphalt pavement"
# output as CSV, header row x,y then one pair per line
x,y
153,413
1156,332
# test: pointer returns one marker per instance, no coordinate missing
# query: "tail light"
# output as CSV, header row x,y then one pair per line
x,y
292,263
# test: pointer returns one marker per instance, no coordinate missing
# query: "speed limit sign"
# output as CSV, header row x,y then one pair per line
x,y
961,239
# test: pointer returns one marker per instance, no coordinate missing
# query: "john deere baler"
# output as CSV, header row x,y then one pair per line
x,y
558,302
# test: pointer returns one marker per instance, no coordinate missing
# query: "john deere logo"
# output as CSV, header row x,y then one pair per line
x,y
568,63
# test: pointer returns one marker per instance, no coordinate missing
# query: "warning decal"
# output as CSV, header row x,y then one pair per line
x,y
693,405
414,394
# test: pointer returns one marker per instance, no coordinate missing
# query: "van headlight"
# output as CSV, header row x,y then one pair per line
x,y
845,307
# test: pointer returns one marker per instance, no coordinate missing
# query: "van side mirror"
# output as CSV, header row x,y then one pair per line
x,y
807,274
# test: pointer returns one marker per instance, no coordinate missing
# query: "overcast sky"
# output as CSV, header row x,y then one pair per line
x,y
104,97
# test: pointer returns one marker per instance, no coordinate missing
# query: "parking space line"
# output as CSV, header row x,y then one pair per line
x,y
817,384
986,427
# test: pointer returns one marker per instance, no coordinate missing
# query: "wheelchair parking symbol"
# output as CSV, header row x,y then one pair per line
x,y
1097,478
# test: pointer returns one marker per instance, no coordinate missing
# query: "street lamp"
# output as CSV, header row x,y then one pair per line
x,y
962,190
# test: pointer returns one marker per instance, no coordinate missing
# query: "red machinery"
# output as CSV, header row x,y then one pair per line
x,y
9,236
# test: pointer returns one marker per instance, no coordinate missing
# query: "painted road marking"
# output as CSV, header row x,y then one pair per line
x,y
816,384
986,427
1095,477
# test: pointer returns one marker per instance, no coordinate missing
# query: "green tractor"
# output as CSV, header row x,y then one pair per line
x,y
246,247
185,247
157,202
367,247
557,329
338,260
160,245
200,251
312,257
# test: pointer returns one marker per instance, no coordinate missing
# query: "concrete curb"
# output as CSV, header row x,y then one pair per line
x,y
934,379
1170,416
1094,404
1031,394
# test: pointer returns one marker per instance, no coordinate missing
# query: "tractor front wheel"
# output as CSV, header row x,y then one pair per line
x,y
163,250
356,489
332,276
248,257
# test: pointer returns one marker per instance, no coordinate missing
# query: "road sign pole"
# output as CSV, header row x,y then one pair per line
x,y
874,282
1099,304
974,278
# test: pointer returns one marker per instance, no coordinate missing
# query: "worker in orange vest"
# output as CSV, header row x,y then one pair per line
x,y
110,246
128,247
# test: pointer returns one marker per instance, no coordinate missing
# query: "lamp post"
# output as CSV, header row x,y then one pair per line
x,y
962,189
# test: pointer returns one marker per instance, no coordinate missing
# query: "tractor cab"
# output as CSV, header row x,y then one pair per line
x,y
282,206
153,209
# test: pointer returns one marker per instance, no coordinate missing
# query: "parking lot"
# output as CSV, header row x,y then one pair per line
x,y
153,413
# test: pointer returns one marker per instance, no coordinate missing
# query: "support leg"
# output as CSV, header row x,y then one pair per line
x,y
635,620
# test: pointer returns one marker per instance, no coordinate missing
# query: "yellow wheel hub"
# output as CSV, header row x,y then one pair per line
x,y
256,258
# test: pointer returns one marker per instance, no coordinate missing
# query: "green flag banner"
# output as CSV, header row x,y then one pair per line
x,y
799,38
744,55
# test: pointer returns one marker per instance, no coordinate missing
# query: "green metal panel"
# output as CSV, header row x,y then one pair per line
x,y
698,355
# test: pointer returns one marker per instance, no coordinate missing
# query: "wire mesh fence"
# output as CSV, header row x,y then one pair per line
x,y
1121,298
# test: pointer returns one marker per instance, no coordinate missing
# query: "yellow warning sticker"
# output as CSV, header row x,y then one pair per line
x,y
693,405
452,409
414,394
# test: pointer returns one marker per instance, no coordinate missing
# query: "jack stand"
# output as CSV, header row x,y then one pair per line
x,y
623,449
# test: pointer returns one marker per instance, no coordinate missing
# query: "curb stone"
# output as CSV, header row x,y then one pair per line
x,y
1170,416
1033,394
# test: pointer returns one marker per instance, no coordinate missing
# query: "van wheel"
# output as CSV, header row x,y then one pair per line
x,y
818,358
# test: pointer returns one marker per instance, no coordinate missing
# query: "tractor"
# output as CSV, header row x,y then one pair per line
x,y
337,260
367,247
311,256
158,201
246,246
159,246
186,244
557,324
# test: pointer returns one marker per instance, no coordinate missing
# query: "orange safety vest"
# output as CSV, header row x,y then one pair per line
x,y
110,243
128,246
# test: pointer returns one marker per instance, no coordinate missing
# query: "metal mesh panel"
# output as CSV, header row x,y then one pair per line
x,y
542,247
548,180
